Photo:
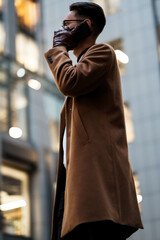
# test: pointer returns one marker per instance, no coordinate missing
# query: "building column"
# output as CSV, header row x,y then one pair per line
x,y
41,188
10,27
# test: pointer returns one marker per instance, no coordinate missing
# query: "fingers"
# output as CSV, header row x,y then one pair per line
x,y
66,28
62,29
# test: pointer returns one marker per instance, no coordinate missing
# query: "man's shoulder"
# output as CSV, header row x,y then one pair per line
x,y
101,49
101,46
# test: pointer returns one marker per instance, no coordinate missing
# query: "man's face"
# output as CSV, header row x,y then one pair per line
x,y
72,20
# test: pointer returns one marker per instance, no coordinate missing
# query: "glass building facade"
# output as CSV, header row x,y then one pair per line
x,y
15,202
30,108
133,28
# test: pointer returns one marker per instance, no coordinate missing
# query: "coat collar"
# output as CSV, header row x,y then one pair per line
x,y
81,54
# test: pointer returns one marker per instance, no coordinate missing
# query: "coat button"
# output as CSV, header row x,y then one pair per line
x,y
50,59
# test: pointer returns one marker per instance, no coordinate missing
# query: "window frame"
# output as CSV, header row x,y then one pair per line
x,y
24,178
11,78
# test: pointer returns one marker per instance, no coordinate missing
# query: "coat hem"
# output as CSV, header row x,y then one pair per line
x,y
135,227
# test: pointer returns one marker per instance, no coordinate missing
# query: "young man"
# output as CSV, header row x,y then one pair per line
x,y
95,196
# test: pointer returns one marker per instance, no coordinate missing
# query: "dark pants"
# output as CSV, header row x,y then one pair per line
x,y
102,230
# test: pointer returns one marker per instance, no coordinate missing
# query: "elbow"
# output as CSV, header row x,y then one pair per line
x,y
66,91
67,88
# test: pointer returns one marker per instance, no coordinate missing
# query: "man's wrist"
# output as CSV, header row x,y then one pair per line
x,y
60,45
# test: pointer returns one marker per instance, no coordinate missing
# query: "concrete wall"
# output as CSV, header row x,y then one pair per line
x,y
134,23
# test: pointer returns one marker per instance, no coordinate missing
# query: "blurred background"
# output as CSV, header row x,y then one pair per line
x,y
30,106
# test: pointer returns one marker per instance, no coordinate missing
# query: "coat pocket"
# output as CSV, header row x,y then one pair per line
x,y
80,127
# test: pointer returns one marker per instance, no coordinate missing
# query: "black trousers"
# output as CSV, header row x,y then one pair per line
x,y
102,230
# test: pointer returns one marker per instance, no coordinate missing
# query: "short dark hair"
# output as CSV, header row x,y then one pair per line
x,y
92,11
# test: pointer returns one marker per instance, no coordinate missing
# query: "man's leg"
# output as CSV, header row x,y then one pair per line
x,y
61,203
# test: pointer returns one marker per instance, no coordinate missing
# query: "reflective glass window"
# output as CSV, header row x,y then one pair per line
x,y
27,52
27,14
2,36
15,205
53,107
129,123
157,9
3,76
138,190
117,45
1,4
3,109
2,29
159,41
19,105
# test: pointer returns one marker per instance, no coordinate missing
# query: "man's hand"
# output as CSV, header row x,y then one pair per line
x,y
69,38
64,37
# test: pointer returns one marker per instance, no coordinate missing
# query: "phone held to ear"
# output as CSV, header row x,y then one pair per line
x,y
82,32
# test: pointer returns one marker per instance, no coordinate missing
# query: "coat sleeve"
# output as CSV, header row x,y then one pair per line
x,y
86,75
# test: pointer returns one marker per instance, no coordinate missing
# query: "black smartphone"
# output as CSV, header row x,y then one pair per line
x,y
83,32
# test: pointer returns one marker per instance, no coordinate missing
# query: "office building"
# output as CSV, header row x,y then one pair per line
x,y
30,105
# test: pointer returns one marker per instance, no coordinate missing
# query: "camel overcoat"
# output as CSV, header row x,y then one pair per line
x,y
99,181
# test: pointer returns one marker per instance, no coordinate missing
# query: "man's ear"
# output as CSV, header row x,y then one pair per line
x,y
89,23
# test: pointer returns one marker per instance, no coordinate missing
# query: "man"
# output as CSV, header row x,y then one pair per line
x,y
95,195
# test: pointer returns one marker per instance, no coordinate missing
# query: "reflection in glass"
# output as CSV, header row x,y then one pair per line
x,y
1,4
129,123
117,45
27,14
12,205
2,37
54,133
15,202
138,191
53,107
19,105
3,76
27,52
158,31
3,110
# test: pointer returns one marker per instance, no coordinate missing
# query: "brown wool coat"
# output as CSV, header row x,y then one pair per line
x,y
99,182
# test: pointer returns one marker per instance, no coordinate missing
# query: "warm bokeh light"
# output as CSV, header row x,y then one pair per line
x,y
13,205
25,45
15,132
129,124
121,56
27,12
1,3
20,102
36,85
